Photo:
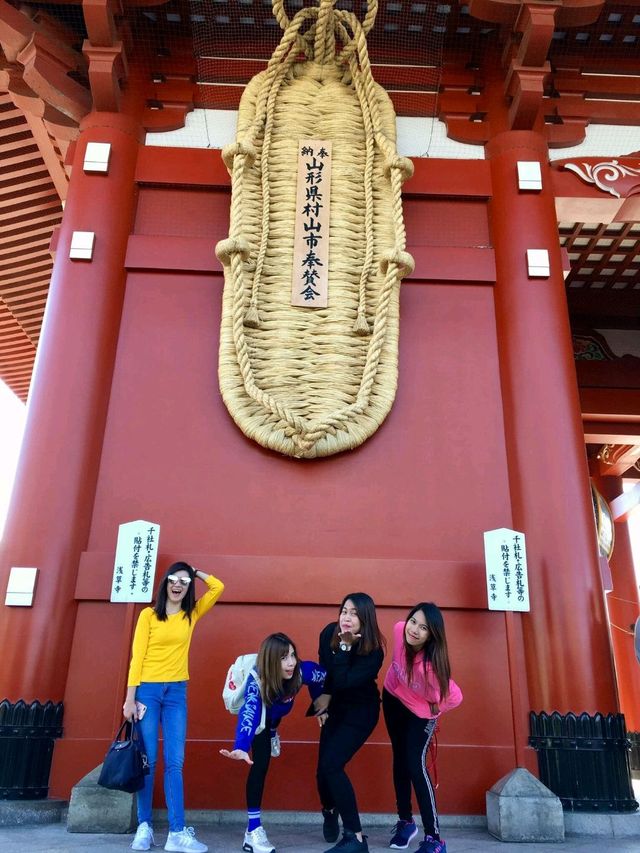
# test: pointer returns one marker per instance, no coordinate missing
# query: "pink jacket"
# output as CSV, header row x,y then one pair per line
x,y
421,690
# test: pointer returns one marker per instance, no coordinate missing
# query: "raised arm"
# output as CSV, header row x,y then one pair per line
x,y
213,593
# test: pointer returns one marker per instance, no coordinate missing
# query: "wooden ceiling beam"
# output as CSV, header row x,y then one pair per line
x,y
610,405
30,249
37,199
599,432
49,155
614,460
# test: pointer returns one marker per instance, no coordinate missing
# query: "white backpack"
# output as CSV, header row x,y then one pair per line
x,y
235,683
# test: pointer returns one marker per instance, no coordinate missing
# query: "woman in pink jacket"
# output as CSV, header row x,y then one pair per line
x,y
417,688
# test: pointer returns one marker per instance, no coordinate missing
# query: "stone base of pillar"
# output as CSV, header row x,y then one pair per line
x,y
93,808
520,808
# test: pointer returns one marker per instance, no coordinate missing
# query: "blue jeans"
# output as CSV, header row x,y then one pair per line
x,y
167,706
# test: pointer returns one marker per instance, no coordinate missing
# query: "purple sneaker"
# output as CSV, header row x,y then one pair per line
x,y
402,834
432,845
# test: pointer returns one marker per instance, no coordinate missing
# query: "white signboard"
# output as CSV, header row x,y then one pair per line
x,y
310,282
135,564
505,557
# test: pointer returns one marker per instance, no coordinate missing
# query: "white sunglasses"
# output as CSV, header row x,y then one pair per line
x,y
176,579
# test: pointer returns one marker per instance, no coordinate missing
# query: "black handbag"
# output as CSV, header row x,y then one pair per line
x,y
125,764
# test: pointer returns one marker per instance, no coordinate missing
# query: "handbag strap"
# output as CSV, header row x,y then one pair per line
x,y
131,733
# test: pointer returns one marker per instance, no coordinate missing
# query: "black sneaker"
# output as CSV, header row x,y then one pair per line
x,y
402,834
330,826
350,844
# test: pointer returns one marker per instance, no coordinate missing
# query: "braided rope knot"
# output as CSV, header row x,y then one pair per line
x,y
403,260
241,147
403,164
226,249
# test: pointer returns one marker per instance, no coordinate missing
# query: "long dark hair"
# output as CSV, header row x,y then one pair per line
x,y
269,665
435,649
372,637
188,602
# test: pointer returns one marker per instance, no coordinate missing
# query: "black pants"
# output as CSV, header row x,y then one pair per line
x,y
410,737
345,731
261,755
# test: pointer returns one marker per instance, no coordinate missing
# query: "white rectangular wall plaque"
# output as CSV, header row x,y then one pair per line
x,y
135,564
21,586
310,281
538,264
82,243
96,157
505,557
529,175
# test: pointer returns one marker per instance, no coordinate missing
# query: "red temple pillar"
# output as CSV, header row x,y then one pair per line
x,y
623,603
50,514
567,650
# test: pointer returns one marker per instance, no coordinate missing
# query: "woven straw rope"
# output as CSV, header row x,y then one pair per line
x,y
313,382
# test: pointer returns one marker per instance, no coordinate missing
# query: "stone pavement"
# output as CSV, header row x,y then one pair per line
x,y
296,838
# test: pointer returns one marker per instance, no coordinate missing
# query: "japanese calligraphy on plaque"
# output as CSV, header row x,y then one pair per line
x,y
310,282
135,564
505,558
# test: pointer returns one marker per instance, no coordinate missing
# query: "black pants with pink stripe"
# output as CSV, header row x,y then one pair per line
x,y
410,737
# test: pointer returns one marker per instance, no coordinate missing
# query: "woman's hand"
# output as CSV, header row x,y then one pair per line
x,y
348,637
237,754
321,704
322,718
129,710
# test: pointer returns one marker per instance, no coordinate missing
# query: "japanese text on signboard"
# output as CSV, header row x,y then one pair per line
x,y
310,282
506,567
135,562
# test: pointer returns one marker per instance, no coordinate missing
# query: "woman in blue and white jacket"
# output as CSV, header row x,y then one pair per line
x,y
281,675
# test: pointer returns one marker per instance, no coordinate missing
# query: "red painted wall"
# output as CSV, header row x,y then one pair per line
x,y
402,517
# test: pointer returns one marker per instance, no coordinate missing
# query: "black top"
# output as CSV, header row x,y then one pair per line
x,y
351,678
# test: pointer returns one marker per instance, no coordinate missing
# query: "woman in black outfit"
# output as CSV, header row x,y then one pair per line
x,y
351,650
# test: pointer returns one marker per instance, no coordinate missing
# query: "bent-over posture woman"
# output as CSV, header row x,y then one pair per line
x,y
157,694
418,688
351,651
280,677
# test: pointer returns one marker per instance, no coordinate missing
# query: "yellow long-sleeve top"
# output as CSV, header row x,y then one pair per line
x,y
161,649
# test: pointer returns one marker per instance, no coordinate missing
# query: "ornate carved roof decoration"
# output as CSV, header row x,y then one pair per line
x,y
616,177
41,50
104,51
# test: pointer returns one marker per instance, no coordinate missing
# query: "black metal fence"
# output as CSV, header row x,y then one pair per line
x,y
584,760
634,758
27,733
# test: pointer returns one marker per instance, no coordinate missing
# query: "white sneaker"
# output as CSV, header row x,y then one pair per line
x,y
185,840
256,841
144,838
275,745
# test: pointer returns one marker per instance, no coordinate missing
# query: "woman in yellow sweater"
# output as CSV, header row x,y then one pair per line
x,y
157,694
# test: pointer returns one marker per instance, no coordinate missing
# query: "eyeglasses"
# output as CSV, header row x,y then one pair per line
x,y
177,579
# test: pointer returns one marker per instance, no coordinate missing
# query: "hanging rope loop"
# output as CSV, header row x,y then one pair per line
x,y
245,149
226,249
